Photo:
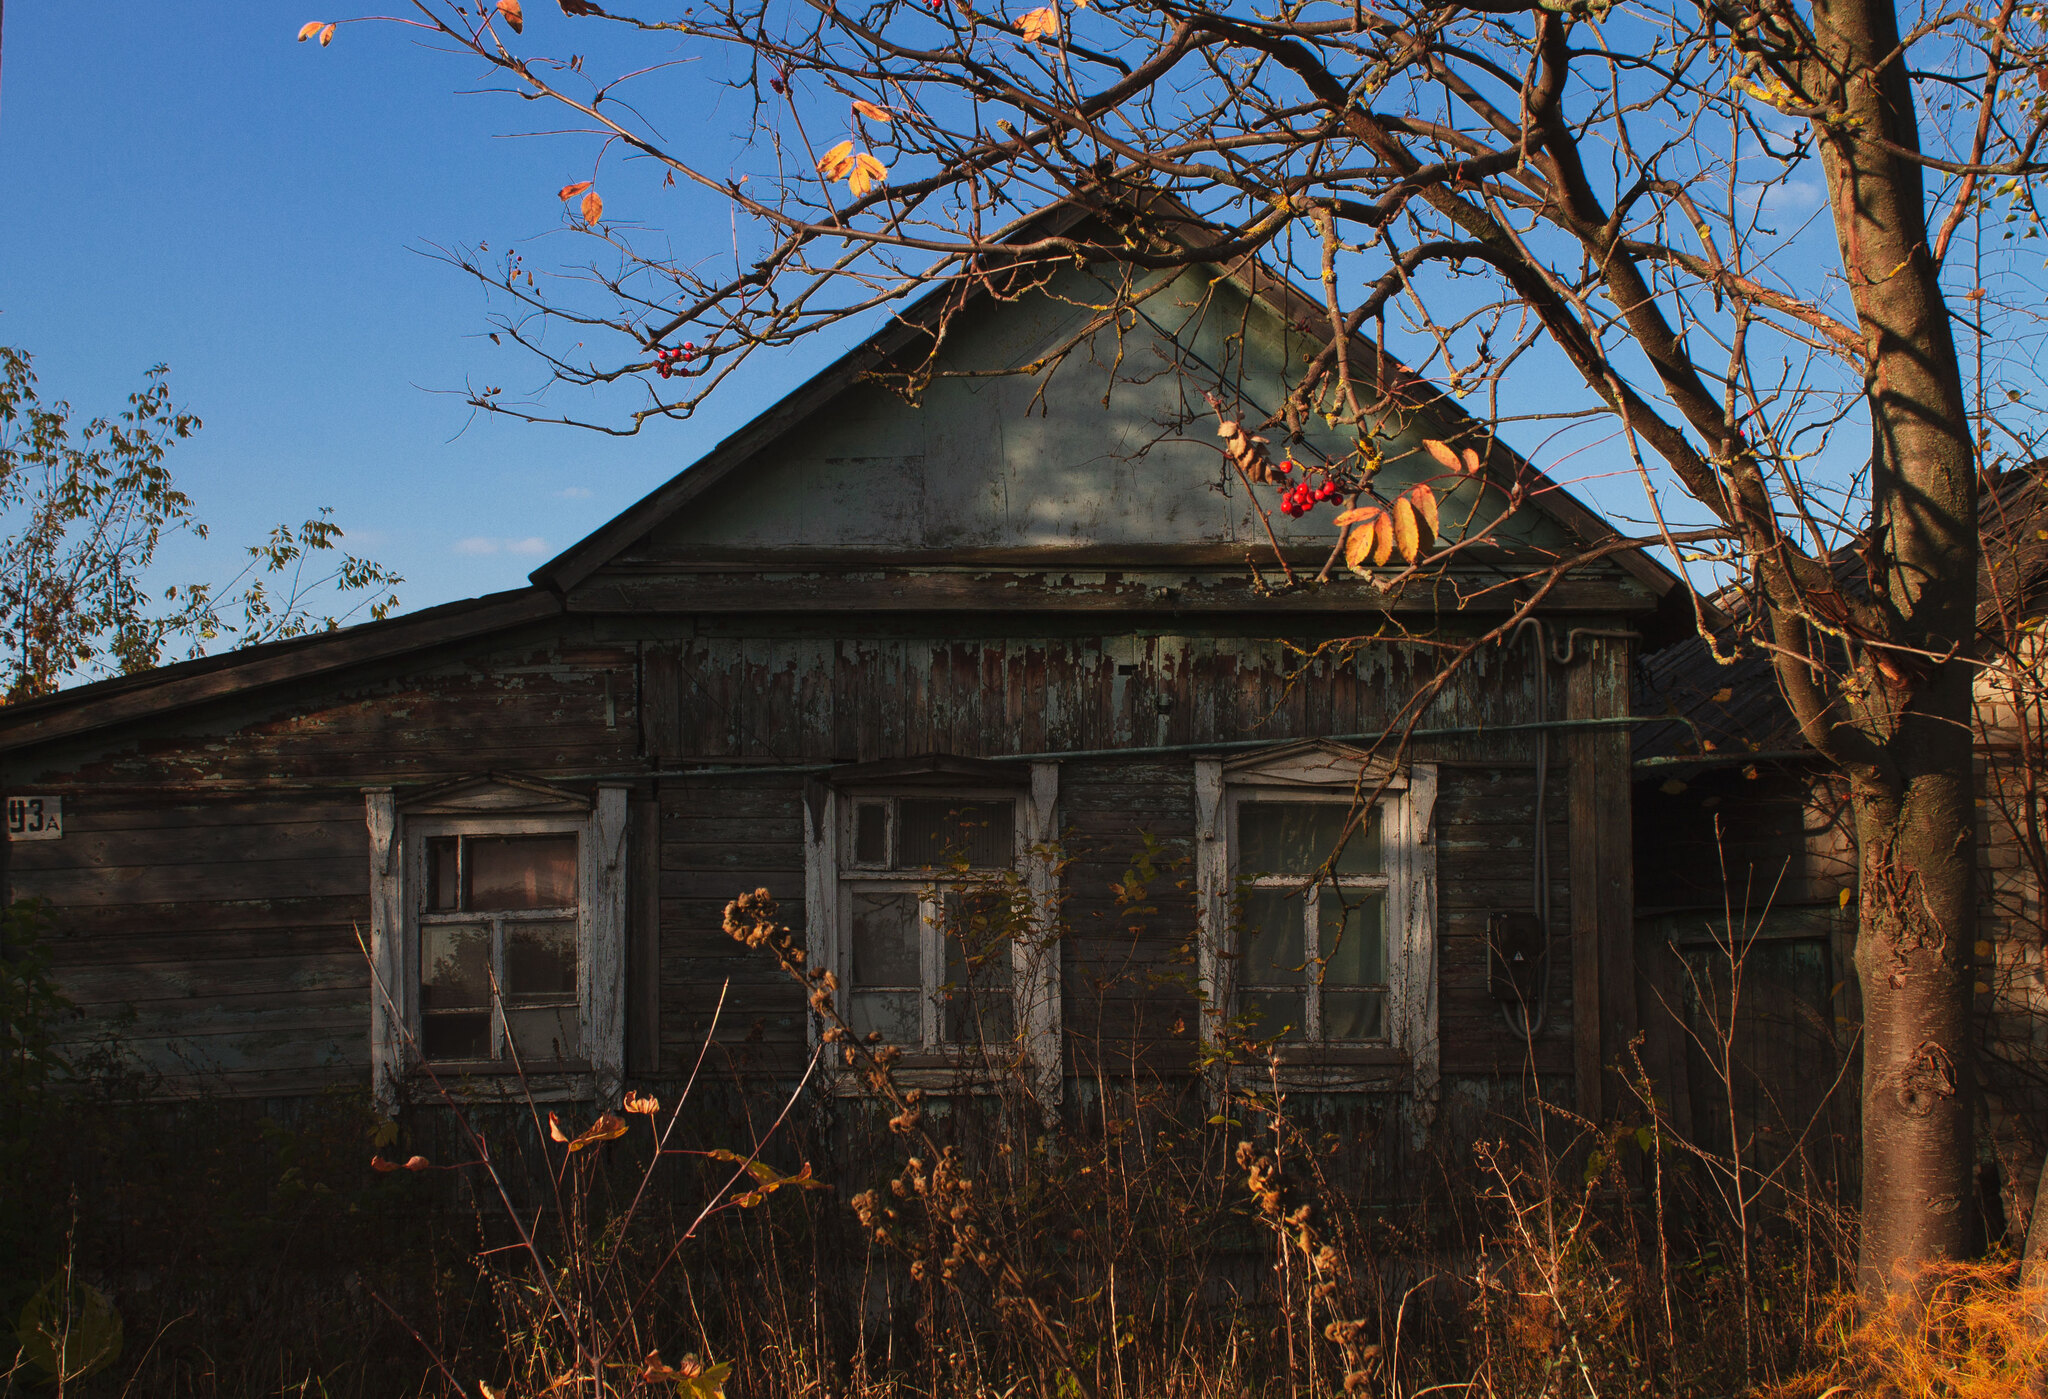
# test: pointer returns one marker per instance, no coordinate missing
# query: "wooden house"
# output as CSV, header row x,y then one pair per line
x,y
929,627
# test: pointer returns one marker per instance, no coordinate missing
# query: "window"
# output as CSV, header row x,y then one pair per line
x,y
929,894
1318,918
497,932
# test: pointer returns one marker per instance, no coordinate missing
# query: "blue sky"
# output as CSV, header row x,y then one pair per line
x,y
190,186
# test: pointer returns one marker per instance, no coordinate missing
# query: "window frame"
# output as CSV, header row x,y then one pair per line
x,y
833,876
495,806
1317,770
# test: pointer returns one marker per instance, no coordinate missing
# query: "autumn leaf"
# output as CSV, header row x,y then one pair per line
x,y
609,1127
836,162
871,111
380,1165
514,16
1472,465
646,1105
1441,451
1042,23
569,192
1360,541
1424,500
593,207
866,171
1382,540
1407,538
310,28
326,35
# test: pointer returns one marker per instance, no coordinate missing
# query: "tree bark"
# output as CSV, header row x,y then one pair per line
x,y
1908,694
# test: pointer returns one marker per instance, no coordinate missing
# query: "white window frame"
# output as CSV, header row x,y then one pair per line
x,y
831,876
398,877
1323,771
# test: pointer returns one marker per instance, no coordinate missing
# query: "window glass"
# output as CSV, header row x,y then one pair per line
x,y
1296,837
1354,1015
543,1033
1353,940
894,1013
871,833
977,1003
885,940
1275,942
934,834
512,872
455,966
540,961
1279,1013
442,879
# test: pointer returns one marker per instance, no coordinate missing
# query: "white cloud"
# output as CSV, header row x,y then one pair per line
x,y
484,544
574,493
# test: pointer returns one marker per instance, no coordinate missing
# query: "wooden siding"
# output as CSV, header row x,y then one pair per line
x,y
214,870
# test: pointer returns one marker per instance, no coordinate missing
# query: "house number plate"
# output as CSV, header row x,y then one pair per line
x,y
35,818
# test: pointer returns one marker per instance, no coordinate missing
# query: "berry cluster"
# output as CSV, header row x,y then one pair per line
x,y
669,359
1301,497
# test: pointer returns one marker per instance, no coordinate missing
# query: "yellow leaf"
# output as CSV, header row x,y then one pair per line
x,y
871,111
1445,457
1406,537
1472,464
644,1104
326,36
1724,694
1359,542
1425,507
1042,23
555,1128
836,162
593,207
1382,540
571,191
310,28
514,16
1842,901
1352,517
866,171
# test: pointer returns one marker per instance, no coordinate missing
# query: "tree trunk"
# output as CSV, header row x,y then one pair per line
x,y
1905,739
1913,959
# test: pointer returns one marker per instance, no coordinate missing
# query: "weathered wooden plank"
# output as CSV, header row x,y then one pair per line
x,y
171,883
85,848
104,981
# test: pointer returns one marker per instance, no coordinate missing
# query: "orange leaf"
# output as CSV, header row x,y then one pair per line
x,y
1445,457
417,1163
593,207
866,171
571,191
644,1105
1406,537
555,1128
609,1127
514,16
1042,23
326,36
871,111
1472,465
1382,540
1424,500
836,162
1360,541
379,1164
310,28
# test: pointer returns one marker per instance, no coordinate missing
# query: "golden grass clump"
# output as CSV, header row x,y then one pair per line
x,y
1970,1330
